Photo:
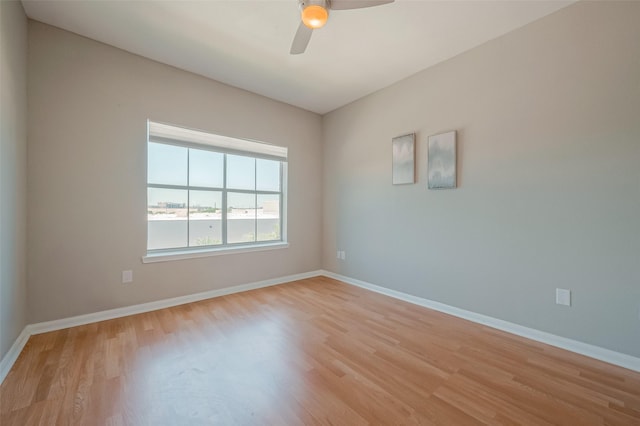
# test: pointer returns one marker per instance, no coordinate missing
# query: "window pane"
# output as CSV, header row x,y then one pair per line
x,y
268,175
241,217
241,172
268,215
205,168
167,164
205,218
166,218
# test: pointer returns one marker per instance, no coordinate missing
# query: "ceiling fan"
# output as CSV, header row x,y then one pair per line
x,y
314,14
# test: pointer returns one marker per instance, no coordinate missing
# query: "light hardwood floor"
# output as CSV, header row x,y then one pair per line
x,y
315,351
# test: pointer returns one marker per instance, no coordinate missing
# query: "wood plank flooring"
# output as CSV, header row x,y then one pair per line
x,y
315,351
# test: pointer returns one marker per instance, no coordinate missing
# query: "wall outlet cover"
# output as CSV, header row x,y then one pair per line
x,y
563,296
127,277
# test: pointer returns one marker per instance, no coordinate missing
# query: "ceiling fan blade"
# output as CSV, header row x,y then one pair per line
x,y
356,4
301,39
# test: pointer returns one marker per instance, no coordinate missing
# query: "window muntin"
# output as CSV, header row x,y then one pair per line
x,y
202,196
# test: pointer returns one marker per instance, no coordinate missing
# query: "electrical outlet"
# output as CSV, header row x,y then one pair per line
x,y
563,296
127,277
343,255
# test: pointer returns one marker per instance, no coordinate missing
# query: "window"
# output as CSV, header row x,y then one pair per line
x,y
210,193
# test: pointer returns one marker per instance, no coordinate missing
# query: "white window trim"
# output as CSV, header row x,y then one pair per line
x,y
164,133
167,256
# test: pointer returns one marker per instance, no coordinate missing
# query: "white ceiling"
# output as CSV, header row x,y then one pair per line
x,y
246,43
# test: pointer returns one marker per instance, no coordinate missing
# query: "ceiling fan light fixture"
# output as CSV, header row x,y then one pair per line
x,y
315,16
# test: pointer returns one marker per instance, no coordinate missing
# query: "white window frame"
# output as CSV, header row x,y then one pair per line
x,y
196,139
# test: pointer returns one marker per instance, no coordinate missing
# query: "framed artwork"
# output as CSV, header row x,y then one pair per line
x,y
404,159
442,161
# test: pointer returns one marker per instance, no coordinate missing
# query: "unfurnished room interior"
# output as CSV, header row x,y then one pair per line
x,y
314,212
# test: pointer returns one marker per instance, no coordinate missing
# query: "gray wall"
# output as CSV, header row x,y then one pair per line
x,y
549,196
88,106
548,121
13,172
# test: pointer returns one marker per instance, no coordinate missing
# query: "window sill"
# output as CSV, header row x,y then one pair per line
x,y
167,256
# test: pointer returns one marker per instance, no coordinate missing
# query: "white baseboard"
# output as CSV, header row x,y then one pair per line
x,y
602,354
43,327
606,355
12,354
